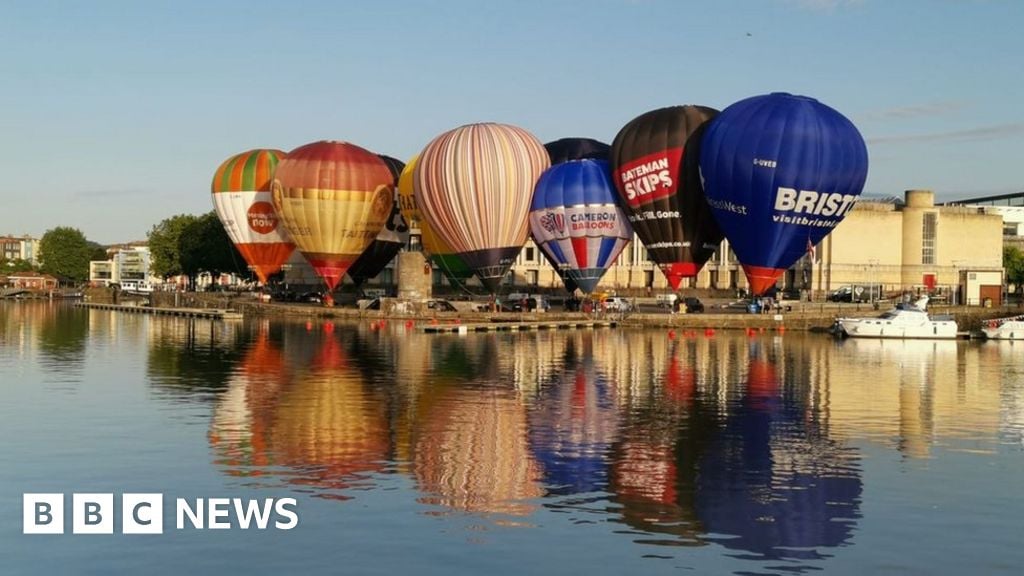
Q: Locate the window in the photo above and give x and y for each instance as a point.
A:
(530, 254)
(928, 226)
(531, 277)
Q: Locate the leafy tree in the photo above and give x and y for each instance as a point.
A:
(14, 265)
(64, 251)
(1013, 262)
(98, 251)
(205, 247)
(164, 245)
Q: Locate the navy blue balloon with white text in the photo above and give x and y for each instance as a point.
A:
(780, 172)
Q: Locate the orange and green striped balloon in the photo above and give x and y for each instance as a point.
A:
(241, 197)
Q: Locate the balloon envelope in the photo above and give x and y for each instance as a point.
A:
(780, 172)
(655, 168)
(334, 198)
(474, 185)
(242, 200)
(442, 255)
(566, 149)
(391, 239)
(576, 220)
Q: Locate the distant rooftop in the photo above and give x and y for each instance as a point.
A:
(1014, 199)
(882, 199)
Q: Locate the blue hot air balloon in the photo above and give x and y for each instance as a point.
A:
(577, 221)
(780, 172)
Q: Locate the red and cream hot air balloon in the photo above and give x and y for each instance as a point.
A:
(241, 197)
(474, 185)
(334, 198)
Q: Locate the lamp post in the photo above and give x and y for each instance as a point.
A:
(956, 282)
(871, 281)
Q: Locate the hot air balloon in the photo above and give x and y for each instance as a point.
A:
(566, 149)
(442, 255)
(334, 198)
(241, 197)
(780, 172)
(391, 239)
(577, 222)
(655, 168)
(473, 185)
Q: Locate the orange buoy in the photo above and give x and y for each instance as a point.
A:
(309, 326)
(671, 334)
(709, 332)
(408, 323)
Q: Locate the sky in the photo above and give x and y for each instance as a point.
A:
(115, 115)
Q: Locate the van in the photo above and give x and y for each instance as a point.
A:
(666, 300)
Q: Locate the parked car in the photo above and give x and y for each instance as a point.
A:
(693, 305)
(439, 305)
(311, 297)
(617, 304)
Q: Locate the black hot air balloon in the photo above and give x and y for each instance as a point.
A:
(655, 166)
(566, 149)
(386, 245)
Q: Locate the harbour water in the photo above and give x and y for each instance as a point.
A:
(574, 452)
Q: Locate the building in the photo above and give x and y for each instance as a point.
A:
(915, 245)
(126, 264)
(20, 248)
(31, 281)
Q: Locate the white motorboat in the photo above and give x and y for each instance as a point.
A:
(903, 321)
(1011, 328)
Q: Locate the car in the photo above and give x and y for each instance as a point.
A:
(440, 306)
(616, 304)
(311, 297)
(693, 305)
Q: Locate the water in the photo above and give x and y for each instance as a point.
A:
(606, 452)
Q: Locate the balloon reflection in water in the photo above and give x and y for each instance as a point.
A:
(472, 453)
(573, 422)
(778, 499)
(322, 425)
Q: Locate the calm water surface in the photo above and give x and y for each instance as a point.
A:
(607, 452)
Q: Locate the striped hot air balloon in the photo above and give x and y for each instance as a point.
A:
(334, 198)
(242, 199)
(442, 255)
(473, 185)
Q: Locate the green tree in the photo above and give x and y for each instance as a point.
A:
(164, 245)
(98, 251)
(64, 251)
(205, 247)
(1013, 263)
(14, 265)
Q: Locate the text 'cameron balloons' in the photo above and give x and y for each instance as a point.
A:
(566, 149)
(576, 220)
(391, 239)
(655, 166)
(242, 199)
(473, 185)
(334, 198)
(439, 253)
(780, 172)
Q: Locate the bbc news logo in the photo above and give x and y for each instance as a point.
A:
(144, 513)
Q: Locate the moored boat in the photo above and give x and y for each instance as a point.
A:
(1011, 328)
(903, 321)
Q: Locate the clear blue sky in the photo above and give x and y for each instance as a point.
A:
(114, 115)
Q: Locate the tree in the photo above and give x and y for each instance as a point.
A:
(14, 265)
(98, 252)
(1013, 263)
(205, 247)
(64, 252)
(164, 245)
